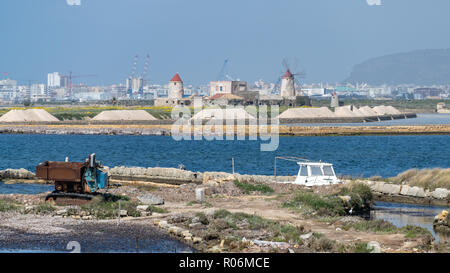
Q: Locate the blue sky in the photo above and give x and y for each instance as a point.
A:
(194, 37)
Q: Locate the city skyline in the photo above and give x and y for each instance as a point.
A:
(102, 37)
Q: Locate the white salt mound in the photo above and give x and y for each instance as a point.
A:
(386, 110)
(29, 115)
(298, 113)
(368, 111)
(358, 112)
(129, 115)
(392, 110)
(344, 111)
(222, 114)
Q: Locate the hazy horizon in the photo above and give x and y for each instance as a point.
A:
(193, 38)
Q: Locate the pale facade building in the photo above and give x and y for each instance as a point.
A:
(227, 87)
(54, 79)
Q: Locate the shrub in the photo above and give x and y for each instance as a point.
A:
(323, 205)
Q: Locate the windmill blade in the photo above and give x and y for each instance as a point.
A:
(301, 74)
(295, 64)
(285, 64)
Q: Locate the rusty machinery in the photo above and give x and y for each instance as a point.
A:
(75, 182)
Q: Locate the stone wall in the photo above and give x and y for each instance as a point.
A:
(178, 176)
(439, 196)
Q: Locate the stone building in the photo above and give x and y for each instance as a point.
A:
(287, 85)
(175, 93)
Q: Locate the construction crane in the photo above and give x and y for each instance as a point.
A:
(222, 75)
(131, 77)
(144, 74)
(70, 77)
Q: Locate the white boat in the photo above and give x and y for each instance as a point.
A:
(316, 174)
(310, 173)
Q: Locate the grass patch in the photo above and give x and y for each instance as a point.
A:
(278, 232)
(376, 226)
(385, 227)
(8, 205)
(247, 188)
(44, 208)
(361, 247)
(156, 209)
(411, 231)
(107, 209)
(330, 206)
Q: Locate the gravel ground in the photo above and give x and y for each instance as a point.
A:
(52, 234)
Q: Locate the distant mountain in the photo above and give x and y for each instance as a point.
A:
(422, 67)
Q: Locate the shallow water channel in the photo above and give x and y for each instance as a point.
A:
(408, 214)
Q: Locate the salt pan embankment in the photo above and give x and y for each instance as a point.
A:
(293, 113)
(342, 114)
(29, 115)
(124, 115)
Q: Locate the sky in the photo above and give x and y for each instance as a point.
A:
(194, 37)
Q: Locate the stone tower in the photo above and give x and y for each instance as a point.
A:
(287, 85)
(334, 100)
(176, 90)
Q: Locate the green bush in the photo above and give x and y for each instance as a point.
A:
(322, 205)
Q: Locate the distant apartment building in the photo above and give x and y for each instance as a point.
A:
(230, 87)
(54, 80)
(379, 91)
(8, 90)
(427, 92)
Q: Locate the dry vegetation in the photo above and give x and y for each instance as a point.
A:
(425, 178)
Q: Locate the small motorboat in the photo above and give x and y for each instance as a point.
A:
(316, 174)
(312, 173)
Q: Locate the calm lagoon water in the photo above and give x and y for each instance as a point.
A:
(351, 155)
(408, 214)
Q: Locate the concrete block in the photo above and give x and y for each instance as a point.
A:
(200, 195)
(390, 189)
(405, 190)
(440, 193)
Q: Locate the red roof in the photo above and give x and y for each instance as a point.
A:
(216, 96)
(288, 74)
(176, 78)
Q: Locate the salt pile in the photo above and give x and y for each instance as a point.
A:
(392, 110)
(30, 115)
(367, 111)
(358, 112)
(129, 115)
(344, 111)
(386, 110)
(295, 113)
(222, 114)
